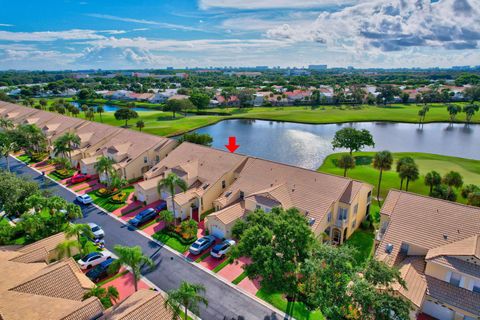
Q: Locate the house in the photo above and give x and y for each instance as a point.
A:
(30, 288)
(436, 245)
(134, 153)
(298, 95)
(143, 304)
(178, 97)
(207, 172)
(232, 101)
(163, 96)
(335, 206)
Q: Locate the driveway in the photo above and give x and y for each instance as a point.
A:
(225, 301)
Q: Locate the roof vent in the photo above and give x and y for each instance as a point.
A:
(228, 194)
(206, 186)
(445, 236)
(311, 221)
(389, 248)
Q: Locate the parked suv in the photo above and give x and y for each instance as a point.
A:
(143, 217)
(201, 244)
(101, 271)
(221, 249)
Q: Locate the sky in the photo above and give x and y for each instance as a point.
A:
(142, 34)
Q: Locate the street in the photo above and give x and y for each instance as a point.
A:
(224, 302)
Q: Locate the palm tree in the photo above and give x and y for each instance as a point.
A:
(167, 217)
(133, 258)
(453, 110)
(7, 147)
(66, 248)
(382, 161)
(470, 110)
(71, 140)
(106, 296)
(77, 230)
(100, 110)
(170, 183)
(401, 162)
(104, 165)
(189, 296)
(84, 108)
(140, 125)
(453, 179)
(410, 172)
(346, 162)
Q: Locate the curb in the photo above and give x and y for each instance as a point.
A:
(208, 271)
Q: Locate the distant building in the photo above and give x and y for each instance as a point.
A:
(317, 67)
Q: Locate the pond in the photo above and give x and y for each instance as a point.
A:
(110, 108)
(307, 145)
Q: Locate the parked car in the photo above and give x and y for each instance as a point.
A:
(143, 217)
(84, 198)
(101, 271)
(221, 249)
(162, 206)
(96, 230)
(201, 244)
(80, 177)
(92, 259)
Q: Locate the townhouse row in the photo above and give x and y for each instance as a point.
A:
(134, 153)
(436, 246)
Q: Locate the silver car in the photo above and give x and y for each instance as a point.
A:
(96, 230)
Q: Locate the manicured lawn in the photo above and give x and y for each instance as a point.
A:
(363, 241)
(105, 202)
(163, 123)
(469, 169)
(239, 279)
(297, 309)
(170, 241)
(25, 158)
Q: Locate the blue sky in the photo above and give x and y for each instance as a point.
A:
(106, 34)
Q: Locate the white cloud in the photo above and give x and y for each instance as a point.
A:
(271, 4)
(147, 22)
(6, 25)
(392, 25)
(46, 36)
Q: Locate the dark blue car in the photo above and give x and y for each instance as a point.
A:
(162, 206)
(100, 271)
(143, 217)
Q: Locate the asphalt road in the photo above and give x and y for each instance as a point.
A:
(225, 302)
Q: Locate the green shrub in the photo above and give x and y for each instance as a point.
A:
(119, 197)
(366, 224)
(175, 235)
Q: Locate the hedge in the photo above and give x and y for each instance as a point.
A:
(178, 237)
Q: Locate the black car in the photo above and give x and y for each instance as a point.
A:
(144, 216)
(100, 271)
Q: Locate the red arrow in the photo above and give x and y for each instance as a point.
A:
(232, 144)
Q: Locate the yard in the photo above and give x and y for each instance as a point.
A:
(171, 241)
(363, 241)
(105, 202)
(296, 309)
(469, 169)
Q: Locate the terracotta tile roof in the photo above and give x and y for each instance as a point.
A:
(36, 255)
(465, 247)
(455, 296)
(458, 264)
(412, 271)
(230, 213)
(49, 243)
(425, 222)
(142, 305)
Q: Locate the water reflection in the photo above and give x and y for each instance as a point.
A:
(306, 145)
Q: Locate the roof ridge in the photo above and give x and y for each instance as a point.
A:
(433, 198)
(142, 303)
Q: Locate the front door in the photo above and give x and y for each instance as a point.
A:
(195, 215)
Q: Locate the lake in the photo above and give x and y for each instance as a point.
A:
(307, 145)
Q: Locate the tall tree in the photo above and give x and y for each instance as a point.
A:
(171, 183)
(432, 179)
(189, 296)
(352, 139)
(346, 162)
(453, 179)
(410, 172)
(200, 100)
(382, 161)
(167, 217)
(100, 110)
(401, 162)
(140, 125)
(67, 248)
(133, 258)
(104, 165)
(125, 114)
(7, 146)
(453, 110)
(470, 110)
(66, 143)
(106, 296)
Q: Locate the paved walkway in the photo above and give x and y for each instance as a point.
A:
(226, 302)
(231, 271)
(125, 286)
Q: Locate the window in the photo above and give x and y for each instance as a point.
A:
(476, 286)
(455, 279)
(242, 195)
(342, 213)
(355, 209)
(145, 159)
(223, 184)
(157, 158)
(329, 216)
(404, 248)
(354, 223)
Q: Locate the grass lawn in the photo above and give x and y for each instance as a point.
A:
(297, 309)
(162, 123)
(223, 264)
(24, 158)
(171, 242)
(105, 202)
(239, 279)
(363, 241)
(203, 257)
(469, 169)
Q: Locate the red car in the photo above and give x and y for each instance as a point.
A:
(79, 178)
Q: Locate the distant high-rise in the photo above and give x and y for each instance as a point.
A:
(317, 67)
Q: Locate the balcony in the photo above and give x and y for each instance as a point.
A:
(341, 223)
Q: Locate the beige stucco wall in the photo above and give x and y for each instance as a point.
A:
(441, 272)
(211, 221)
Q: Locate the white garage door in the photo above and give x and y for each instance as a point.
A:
(437, 311)
(217, 232)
